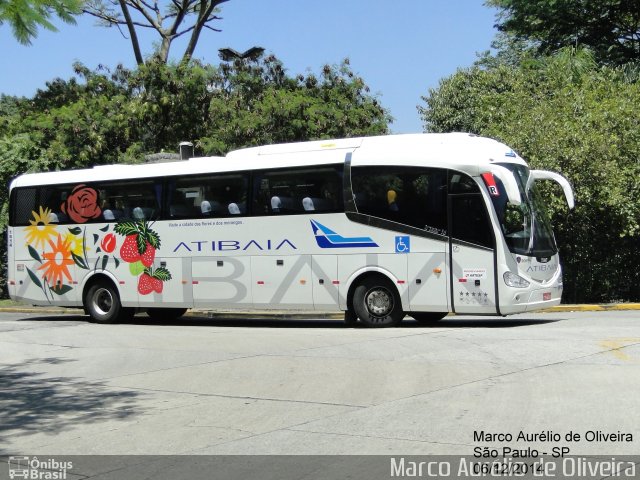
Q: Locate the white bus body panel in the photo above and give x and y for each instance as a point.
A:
(221, 281)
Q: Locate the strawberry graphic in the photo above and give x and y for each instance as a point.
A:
(129, 249)
(151, 280)
(139, 250)
(148, 255)
(146, 284)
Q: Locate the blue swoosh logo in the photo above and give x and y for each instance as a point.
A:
(327, 238)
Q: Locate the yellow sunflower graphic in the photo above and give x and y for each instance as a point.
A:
(57, 262)
(40, 230)
(75, 244)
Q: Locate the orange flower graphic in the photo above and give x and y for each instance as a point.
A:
(57, 262)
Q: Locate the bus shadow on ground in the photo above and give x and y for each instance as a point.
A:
(270, 322)
(235, 321)
(32, 403)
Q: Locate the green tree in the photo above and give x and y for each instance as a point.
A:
(567, 114)
(611, 28)
(257, 103)
(26, 16)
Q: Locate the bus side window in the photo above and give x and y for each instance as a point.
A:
(202, 196)
(411, 196)
(300, 190)
(24, 206)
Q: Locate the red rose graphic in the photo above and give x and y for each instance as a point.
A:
(82, 204)
(108, 243)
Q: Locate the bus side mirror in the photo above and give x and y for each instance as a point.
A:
(556, 177)
(509, 182)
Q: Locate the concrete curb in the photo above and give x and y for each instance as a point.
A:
(281, 314)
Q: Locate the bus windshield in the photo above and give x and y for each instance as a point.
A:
(526, 227)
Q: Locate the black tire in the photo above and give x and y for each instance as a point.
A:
(166, 313)
(428, 318)
(376, 302)
(350, 318)
(102, 303)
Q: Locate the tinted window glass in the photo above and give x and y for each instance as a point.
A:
(84, 203)
(207, 196)
(141, 200)
(280, 192)
(23, 205)
(408, 195)
(470, 221)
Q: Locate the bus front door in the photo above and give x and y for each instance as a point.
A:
(471, 255)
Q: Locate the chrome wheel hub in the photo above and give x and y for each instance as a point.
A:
(103, 301)
(379, 302)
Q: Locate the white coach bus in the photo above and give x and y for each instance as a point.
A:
(378, 227)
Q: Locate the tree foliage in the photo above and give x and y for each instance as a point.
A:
(565, 113)
(104, 117)
(26, 16)
(610, 28)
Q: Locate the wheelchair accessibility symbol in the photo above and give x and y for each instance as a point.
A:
(403, 244)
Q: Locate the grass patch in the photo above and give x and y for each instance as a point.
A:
(11, 303)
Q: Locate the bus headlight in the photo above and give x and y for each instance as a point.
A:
(513, 280)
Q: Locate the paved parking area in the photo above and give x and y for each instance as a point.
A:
(260, 386)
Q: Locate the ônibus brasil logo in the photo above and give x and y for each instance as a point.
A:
(327, 238)
(35, 469)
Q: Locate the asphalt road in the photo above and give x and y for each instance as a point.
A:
(203, 386)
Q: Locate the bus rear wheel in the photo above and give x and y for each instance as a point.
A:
(428, 318)
(102, 303)
(376, 302)
(166, 313)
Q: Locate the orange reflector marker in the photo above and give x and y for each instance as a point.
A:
(437, 270)
(184, 282)
(303, 282)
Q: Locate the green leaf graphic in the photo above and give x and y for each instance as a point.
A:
(117, 262)
(105, 260)
(141, 243)
(162, 274)
(126, 228)
(75, 230)
(153, 238)
(136, 268)
(104, 229)
(34, 254)
(79, 261)
(95, 238)
(61, 289)
(34, 278)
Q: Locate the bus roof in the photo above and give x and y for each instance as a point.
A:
(461, 151)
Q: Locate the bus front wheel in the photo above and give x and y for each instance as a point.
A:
(376, 302)
(102, 303)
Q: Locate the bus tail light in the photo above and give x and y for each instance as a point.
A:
(513, 280)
